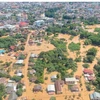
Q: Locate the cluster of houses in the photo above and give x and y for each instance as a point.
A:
(88, 74)
(57, 85)
(11, 88)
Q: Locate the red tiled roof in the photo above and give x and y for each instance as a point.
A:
(88, 71)
(16, 55)
(21, 24)
(12, 47)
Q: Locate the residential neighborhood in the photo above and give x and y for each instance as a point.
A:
(49, 51)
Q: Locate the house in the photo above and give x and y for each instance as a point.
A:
(58, 86)
(9, 90)
(3, 81)
(16, 55)
(33, 79)
(71, 80)
(54, 77)
(91, 78)
(30, 42)
(2, 51)
(37, 88)
(31, 64)
(32, 71)
(18, 73)
(95, 96)
(74, 88)
(34, 55)
(88, 71)
(13, 96)
(39, 23)
(11, 86)
(19, 61)
(12, 48)
(23, 24)
(11, 27)
(51, 89)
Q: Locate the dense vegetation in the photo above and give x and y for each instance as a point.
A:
(31, 18)
(59, 44)
(59, 63)
(74, 46)
(96, 83)
(16, 78)
(7, 42)
(2, 91)
(65, 29)
(4, 74)
(19, 89)
(3, 32)
(91, 53)
(97, 30)
(90, 21)
(51, 12)
(68, 17)
(92, 38)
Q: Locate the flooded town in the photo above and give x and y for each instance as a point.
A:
(49, 51)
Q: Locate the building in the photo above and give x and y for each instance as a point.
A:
(51, 89)
(32, 79)
(37, 88)
(58, 86)
(39, 23)
(74, 88)
(2, 51)
(34, 55)
(18, 73)
(95, 96)
(12, 48)
(54, 77)
(23, 24)
(19, 61)
(32, 71)
(88, 71)
(71, 80)
(13, 96)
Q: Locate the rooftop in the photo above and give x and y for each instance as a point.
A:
(95, 95)
(51, 88)
(19, 61)
(70, 79)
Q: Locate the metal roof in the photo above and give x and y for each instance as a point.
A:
(51, 88)
(70, 79)
(95, 95)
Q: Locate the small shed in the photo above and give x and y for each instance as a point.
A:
(54, 78)
(74, 88)
(33, 79)
(37, 88)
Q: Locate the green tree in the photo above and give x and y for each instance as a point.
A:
(19, 92)
(52, 98)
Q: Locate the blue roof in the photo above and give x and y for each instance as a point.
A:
(2, 51)
(95, 95)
